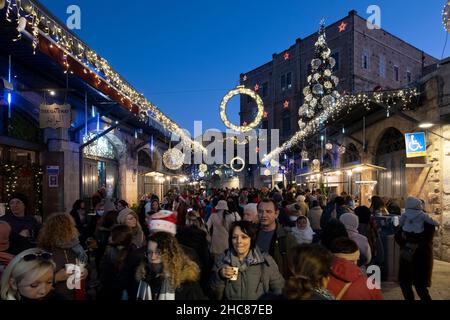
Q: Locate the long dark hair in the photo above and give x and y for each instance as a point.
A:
(247, 227)
(121, 239)
(308, 265)
(376, 204)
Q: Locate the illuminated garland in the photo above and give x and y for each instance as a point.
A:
(12, 172)
(446, 16)
(37, 179)
(71, 45)
(403, 97)
(259, 104)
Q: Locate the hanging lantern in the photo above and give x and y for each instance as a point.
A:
(173, 159)
(317, 89)
(328, 101)
(342, 149)
(304, 155)
(329, 146)
(315, 63)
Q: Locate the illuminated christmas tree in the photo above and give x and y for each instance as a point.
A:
(320, 93)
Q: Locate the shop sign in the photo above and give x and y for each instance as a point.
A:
(54, 116)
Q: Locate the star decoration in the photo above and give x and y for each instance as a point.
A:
(286, 56)
(286, 104)
(256, 87)
(244, 78)
(342, 26)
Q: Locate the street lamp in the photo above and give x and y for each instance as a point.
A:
(426, 125)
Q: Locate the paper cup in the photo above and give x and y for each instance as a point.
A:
(235, 276)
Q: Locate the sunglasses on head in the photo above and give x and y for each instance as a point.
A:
(45, 256)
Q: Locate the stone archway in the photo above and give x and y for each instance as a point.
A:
(390, 153)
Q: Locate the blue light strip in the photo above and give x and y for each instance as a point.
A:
(9, 94)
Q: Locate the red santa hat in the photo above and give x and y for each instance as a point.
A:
(165, 221)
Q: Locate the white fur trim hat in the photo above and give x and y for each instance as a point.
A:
(163, 221)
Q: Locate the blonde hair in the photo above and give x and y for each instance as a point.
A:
(58, 229)
(18, 269)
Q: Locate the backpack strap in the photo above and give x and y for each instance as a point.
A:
(343, 290)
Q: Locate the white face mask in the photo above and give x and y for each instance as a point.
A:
(100, 212)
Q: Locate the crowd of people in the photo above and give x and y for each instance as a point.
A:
(219, 244)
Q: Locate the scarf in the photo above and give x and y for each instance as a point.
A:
(76, 247)
(166, 292)
(253, 257)
(305, 235)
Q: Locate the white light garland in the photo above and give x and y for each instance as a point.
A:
(446, 16)
(45, 26)
(259, 104)
(402, 97)
(203, 168)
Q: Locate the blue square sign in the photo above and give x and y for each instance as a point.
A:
(416, 145)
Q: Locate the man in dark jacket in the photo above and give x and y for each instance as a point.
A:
(272, 237)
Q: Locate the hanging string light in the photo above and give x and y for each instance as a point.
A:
(403, 97)
(71, 46)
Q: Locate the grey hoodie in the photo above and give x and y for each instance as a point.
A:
(414, 218)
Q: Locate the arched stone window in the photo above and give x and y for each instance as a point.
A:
(351, 154)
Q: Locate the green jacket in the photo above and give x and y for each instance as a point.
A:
(280, 248)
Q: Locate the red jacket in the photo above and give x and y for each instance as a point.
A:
(345, 271)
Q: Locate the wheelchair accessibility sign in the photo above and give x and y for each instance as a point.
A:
(416, 145)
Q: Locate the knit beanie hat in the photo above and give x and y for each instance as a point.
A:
(21, 197)
(122, 217)
(165, 221)
(350, 220)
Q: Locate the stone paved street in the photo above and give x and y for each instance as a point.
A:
(440, 289)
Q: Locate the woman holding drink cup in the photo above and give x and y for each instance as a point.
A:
(59, 236)
(243, 272)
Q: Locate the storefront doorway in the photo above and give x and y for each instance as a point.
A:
(391, 154)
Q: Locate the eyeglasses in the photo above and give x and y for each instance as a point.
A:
(156, 253)
(45, 256)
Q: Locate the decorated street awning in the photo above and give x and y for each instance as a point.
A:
(356, 168)
(52, 38)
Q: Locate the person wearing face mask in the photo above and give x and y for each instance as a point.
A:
(167, 273)
(29, 276)
(129, 217)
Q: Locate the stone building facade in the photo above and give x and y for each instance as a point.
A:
(384, 145)
(366, 60)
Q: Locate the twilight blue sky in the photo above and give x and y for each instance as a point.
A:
(184, 55)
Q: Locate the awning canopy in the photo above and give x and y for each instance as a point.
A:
(356, 168)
